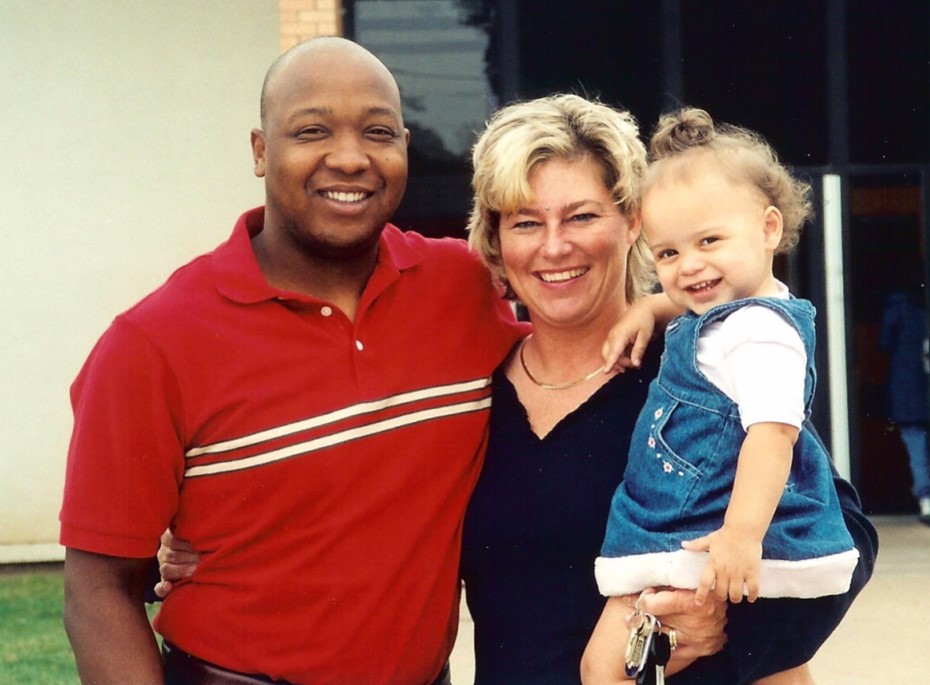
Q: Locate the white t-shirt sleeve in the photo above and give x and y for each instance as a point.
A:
(758, 360)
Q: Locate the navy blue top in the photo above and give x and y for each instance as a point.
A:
(534, 528)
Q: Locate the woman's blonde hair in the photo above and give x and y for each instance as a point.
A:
(523, 135)
(690, 136)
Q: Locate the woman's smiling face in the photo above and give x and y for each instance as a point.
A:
(565, 253)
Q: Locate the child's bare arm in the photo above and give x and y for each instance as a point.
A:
(627, 341)
(736, 548)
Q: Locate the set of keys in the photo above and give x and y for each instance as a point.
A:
(648, 650)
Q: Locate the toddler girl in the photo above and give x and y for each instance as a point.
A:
(727, 489)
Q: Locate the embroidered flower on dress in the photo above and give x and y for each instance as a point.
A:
(652, 442)
(667, 467)
(658, 413)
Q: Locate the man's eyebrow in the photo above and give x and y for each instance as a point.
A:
(388, 111)
(371, 111)
(309, 110)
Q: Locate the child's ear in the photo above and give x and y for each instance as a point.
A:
(773, 226)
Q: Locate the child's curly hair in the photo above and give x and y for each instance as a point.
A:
(742, 155)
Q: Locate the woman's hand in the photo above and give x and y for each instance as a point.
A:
(177, 560)
(699, 629)
(698, 632)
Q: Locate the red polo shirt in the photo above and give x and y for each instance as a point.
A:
(320, 465)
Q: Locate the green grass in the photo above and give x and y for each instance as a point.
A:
(34, 649)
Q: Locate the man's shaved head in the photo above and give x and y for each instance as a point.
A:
(333, 152)
(324, 46)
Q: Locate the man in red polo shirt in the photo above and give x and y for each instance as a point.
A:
(307, 405)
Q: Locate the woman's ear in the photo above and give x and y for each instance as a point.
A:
(634, 226)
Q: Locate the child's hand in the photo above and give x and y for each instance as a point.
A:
(628, 339)
(733, 568)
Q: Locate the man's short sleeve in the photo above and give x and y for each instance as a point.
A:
(125, 461)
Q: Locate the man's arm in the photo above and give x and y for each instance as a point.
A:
(106, 622)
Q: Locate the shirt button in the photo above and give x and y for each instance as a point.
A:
(326, 311)
(359, 346)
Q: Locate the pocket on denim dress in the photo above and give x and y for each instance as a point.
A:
(661, 480)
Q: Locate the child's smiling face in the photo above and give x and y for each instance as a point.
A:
(713, 240)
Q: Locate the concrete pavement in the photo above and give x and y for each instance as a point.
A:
(885, 637)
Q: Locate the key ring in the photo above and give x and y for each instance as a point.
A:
(637, 605)
(643, 627)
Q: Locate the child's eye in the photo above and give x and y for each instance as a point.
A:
(709, 240)
(665, 254)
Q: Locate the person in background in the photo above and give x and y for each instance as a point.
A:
(727, 488)
(904, 339)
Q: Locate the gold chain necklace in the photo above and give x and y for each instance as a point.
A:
(552, 386)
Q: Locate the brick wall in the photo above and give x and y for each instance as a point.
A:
(302, 19)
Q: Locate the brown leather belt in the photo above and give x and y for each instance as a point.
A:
(182, 668)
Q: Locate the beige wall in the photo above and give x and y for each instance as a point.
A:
(125, 153)
(302, 19)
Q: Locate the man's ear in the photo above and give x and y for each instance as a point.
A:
(258, 152)
(773, 226)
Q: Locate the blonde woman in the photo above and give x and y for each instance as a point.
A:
(556, 217)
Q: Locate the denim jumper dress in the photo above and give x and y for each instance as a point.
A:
(680, 474)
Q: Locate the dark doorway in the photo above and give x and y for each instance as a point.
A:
(887, 268)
